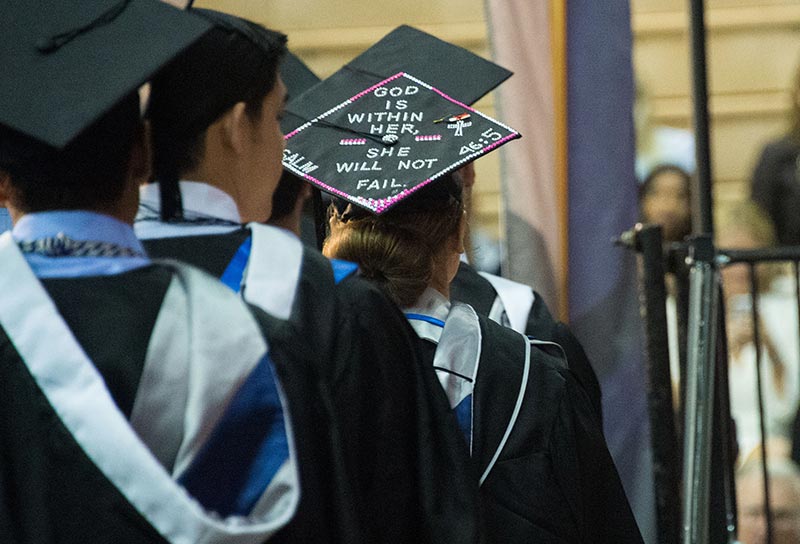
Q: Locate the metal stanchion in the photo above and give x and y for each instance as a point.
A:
(724, 521)
(702, 326)
(754, 315)
(676, 264)
(666, 454)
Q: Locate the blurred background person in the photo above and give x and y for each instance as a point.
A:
(776, 178)
(784, 493)
(664, 200)
(746, 226)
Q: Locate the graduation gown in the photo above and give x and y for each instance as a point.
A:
(82, 459)
(545, 473)
(396, 447)
(530, 316)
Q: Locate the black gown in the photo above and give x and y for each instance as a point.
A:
(50, 489)
(399, 449)
(473, 289)
(554, 480)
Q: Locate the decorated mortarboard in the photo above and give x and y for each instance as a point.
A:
(394, 119)
(65, 64)
(389, 140)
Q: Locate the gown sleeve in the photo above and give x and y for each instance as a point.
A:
(587, 474)
(543, 326)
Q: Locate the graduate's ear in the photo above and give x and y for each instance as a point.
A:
(5, 188)
(6, 196)
(460, 235)
(236, 128)
(140, 164)
(140, 171)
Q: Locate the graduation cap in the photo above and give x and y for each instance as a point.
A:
(65, 64)
(394, 119)
(298, 78)
(388, 141)
(453, 70)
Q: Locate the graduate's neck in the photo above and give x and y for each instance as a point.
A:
(442, 287)
(447, 261)
(217, 170)
(293, 221)
(443, 272)
(224, 168)
(123, 209)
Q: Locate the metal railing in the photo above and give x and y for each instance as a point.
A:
(692, 437)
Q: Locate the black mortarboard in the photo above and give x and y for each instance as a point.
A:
(256, 33)
(335, 150)
(453, 70)
(65, 64)
(387, 141)
(234, 63)
(298, 78)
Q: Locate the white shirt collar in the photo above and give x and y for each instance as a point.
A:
(199, 199)
(80, 225)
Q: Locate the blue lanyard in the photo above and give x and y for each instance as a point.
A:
(426, 318)
(342, 269)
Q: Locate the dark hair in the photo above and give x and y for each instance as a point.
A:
(285, 196)
(647, 185)
(676, 232)
(89, 173)
(236, 61)
(398, 249)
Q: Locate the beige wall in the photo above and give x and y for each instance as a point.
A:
(753, 50)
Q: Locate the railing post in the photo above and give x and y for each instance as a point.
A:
(666, 455)
(702, 327)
